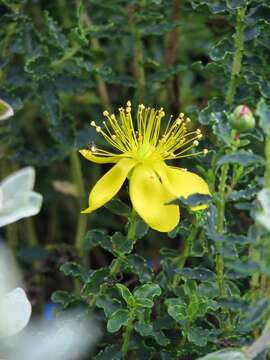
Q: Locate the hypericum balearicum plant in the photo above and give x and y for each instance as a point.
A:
(141, 155)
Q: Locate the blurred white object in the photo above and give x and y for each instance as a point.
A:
(17, 200)
(67, 337)
(15, 312)
(6, 110)
(15, 308)
(264, 216)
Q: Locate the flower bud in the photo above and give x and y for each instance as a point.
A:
(242, 118)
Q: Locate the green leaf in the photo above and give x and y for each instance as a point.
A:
(226, 354)
(95, 280)
(236, 4)
(126, 294)
(263, 112)
(212, 112)
(145, 303)
(147, 291)
(200, 274)
(111, 352)
(74, 270)
(137, 265)
(38, 66)
(141, 229)
(117, 207)
(108, 304)
(148, 330)
(95, 238)
(177, 309)
(118, 319)
(64, 298)
(219, 51)
(254, 314)
(193, 200)
(198, 336)
(120, 244)
(243, 194)
(243, 158)
(50, 103)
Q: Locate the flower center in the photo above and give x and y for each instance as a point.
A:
(143, 141)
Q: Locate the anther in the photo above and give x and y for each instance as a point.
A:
(113, 117)
(105, 113)
(93, 123)
(129, 103)
(173, 155)
(178, 122)
(195, 142)
(113, 137)
(205, 151)
(188, 120)
(128, 109)
(181, 115)
(184, 169)
(98, 129)
(198, 131)
(200, 136)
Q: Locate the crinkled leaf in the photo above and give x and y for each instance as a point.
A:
(147, 291)
(200, 274)
(241, 157)
(95, 280)
(118, 319)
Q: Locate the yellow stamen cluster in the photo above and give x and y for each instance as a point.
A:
(145, 143)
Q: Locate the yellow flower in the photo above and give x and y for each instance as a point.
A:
(141, 155)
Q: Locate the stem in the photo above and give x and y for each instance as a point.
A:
(138, 55)
(172, 46)
(12, 237)
(127, 333)
(82, 219)
(138, 67)
(236, 68)
(188, 244)
(131, 236)
(238, 55)
(220, 229)
(101, 85)
(31, 232)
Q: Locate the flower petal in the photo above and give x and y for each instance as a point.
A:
(6, 110)
(181, 182)
(109, 185)
(149, 197)
(14, 211)
(99, 159)
(15, 311)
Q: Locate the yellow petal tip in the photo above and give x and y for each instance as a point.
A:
(86, 211)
